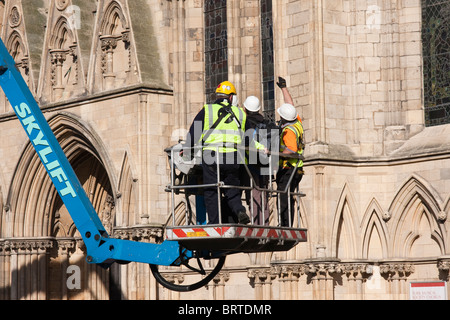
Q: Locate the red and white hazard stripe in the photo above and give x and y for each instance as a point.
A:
(183, 233)
(198, 232)
(273, 233)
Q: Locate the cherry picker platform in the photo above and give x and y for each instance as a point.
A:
(232, 238)
(236, 238)
(192, 239)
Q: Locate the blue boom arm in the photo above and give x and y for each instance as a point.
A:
(100, 248)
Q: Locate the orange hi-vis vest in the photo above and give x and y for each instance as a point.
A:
(292, 140)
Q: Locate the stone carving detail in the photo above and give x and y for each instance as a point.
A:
(24, 64)
(26, 244)
(152, 234)
(174, 278)
(61, 5)
(108, 45)
(107, 214)
(261, 276)
(58, 57)
(15, 17)
(351, 270)
(387, 216)
(396, 270)
(442, 216)
(73, 52)
(443, 266)
(221, 278)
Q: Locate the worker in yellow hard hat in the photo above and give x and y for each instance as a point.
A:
(219, 128)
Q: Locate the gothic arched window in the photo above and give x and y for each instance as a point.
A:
(436, 61)
(216, 46)
(268, 78)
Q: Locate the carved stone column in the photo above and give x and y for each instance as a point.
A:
(357, 274)
(322, 276)
(126, 38)
(288, 277)
(177, 279)
(28, 268)
(219, 285)
(5, 283)
(109, 44)
(129, 273)
(64, 248)
(58, 56)
(262, 277)
(397, 274)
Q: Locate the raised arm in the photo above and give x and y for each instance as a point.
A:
(286, 95)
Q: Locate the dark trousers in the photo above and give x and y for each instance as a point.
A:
(231, 201)
(282, 179)
(260, 213)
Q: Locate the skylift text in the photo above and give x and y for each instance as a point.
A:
(43, 148)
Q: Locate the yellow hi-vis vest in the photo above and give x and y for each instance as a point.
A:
(297, 128)
(228, 134)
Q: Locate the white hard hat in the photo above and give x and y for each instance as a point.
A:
(287, 112)
(252, 104)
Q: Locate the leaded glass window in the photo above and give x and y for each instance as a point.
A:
(268, 78)
(216, 46)
(436, 56)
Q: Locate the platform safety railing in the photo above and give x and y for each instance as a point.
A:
(190, 159)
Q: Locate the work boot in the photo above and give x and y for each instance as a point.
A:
(243, 218)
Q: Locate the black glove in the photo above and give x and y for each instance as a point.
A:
(281, 83)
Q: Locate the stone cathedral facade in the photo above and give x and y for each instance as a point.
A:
(121, 80)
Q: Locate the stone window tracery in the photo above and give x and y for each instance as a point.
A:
(115, 45)
(216, 46)
(436, 61)
(17, 51)
(64, 71)
(267, 55)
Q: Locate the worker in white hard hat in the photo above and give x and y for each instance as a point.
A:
(291, 142)
(255, 121)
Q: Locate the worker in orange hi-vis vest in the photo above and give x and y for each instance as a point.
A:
(291, 142)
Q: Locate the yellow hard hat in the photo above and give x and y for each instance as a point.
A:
(227, 88)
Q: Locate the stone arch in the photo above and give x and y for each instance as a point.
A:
(375, 234)
(114, 21)
(345, 238)
(38, 215)
(32, 196)
(62, 36)
(116, 58)
(415, 218)
(64, 76)
(180, 215)
(18, 51)
(16, 46)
